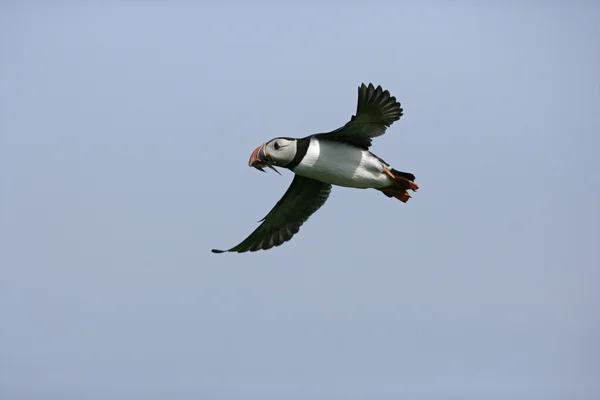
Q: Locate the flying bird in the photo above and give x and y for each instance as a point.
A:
(318, 161)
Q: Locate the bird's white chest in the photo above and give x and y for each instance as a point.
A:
(343, 165)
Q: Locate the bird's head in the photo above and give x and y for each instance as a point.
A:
(278, 151)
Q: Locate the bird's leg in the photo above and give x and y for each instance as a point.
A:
(402, 181)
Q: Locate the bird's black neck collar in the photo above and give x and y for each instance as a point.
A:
(301, 149)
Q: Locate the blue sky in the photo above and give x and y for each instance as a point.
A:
(125, 131)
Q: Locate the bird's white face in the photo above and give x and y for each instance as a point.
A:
(281, 150)
(278, 151)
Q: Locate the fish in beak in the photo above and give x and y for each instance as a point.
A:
(260, 159)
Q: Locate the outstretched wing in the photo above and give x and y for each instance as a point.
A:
(375, 112)
(302, 199)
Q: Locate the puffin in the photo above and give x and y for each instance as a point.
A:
(322, 160)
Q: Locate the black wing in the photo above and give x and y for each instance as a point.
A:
(375, 112)
(302, 199)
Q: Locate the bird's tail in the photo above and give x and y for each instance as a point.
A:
(403, 181)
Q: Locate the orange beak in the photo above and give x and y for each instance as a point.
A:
(260, 159)
(257, 158)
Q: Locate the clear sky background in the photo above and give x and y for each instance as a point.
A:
(125, 134)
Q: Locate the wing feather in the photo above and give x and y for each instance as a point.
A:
(376, 110)
(302, 199)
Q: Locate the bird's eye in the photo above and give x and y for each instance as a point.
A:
(276, 146)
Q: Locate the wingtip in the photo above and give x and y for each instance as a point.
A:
(217, 251)
(369, 86)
